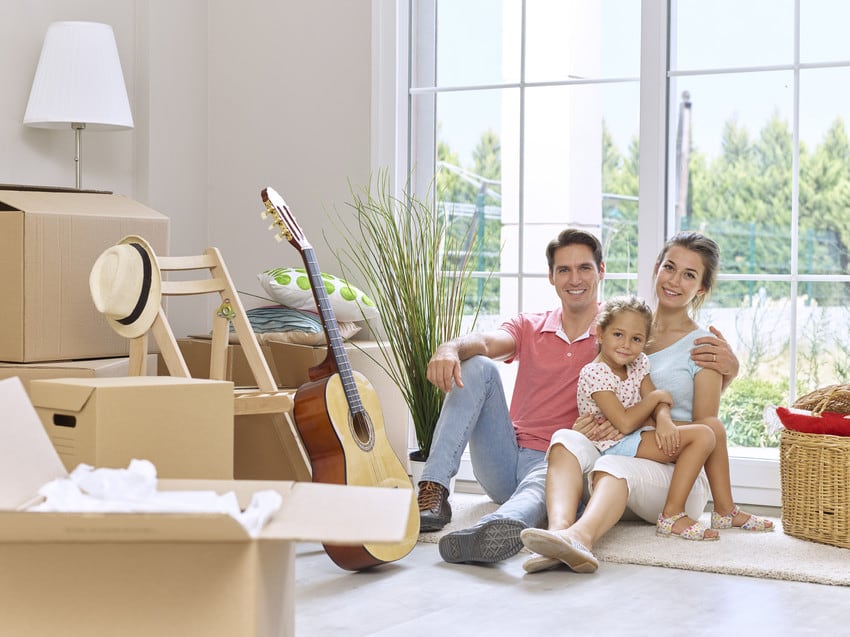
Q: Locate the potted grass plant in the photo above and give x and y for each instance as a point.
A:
(418, 273)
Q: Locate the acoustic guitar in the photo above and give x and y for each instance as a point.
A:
(338, 414)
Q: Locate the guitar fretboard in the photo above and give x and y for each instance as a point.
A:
(335, 342)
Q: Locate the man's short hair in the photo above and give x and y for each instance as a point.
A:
(571, 236)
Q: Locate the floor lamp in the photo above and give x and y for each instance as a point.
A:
(79, 83)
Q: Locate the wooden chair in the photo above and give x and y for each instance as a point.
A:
(266, 398)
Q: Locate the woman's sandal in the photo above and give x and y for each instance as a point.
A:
(696, 531)
(754, 523)
(537, 563)
(554, 545)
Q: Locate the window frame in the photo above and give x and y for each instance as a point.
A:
(755, 479)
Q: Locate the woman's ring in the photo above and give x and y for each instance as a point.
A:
(715, 358)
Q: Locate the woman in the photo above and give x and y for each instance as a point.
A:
(685, 273)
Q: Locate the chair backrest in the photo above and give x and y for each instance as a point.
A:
(212, 278)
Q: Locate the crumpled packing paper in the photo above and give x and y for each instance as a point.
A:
(133, 490)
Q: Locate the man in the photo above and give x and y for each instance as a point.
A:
(508, 447)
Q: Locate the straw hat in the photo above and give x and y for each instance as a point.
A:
(125, 284)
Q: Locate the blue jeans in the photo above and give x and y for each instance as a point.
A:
(477, 413)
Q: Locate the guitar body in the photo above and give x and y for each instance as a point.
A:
(342, 453)
(339, 418)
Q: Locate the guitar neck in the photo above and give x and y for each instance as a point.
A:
(336, 347)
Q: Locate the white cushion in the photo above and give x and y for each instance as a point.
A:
(291, 287)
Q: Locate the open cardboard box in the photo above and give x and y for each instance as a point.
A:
(161, 574)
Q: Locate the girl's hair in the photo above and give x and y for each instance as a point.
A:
(705, 248)
(619, 304)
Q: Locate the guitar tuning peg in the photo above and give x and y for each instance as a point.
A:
(278, 238)
(272, 227)
(264, 214)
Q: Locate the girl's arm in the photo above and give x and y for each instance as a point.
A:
(628, 420)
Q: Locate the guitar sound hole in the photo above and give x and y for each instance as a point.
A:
(361, 427)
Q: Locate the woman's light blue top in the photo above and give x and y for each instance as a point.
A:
(672, 369)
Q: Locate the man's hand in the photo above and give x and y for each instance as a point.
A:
(713, 352)
(588, 426)
(444, 367)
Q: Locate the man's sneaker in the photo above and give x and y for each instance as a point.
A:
(486, 542)
(434, 508)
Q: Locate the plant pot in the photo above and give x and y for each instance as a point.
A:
(417, 465)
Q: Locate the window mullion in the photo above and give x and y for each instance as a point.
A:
(653, 140)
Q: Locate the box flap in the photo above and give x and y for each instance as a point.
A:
(26, 526)
(76, 203)
(27, 457)
(57, 393)
(71, 394)
(315, 512)
(334, 514)
(341, 514)
(101, 365)
(50, 188)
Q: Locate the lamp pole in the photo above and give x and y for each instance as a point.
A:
(78, 149)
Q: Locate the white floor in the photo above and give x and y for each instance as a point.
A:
(422, 595)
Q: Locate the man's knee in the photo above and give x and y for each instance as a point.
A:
(478, 368)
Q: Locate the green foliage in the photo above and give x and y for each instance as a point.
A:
(419, 275)
(750, 183)
(742, 411)
(470, 197)
(619, 212)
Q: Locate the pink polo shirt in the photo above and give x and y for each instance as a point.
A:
(544, 398)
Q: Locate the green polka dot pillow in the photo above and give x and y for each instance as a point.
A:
(291, 287)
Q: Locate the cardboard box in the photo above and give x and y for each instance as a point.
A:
(296, 360)
(183, 425)
(48, 244)
(94, 368)
(258, 452)
(161, 574)
(196, 351)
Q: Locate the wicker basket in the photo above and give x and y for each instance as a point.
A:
(815, 474)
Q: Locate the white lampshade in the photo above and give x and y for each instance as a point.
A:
(79, 80)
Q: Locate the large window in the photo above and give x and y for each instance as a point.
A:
(636, 120)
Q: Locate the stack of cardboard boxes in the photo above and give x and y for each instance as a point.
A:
(73, 364)
(50, 329)
(141, 574)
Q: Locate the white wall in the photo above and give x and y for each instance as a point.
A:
(227, 98)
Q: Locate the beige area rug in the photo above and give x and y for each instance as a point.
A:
(768, 555)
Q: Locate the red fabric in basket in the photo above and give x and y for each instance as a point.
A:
(828, 422)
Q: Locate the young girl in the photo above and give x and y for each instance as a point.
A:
(616, 387)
